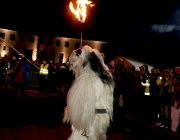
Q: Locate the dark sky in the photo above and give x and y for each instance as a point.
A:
(122, 23)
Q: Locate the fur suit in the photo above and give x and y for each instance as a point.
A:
(90, 99)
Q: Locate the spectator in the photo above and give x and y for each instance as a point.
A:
(145, 81)
(22, 77)
(53, 78)
(6, 66)
(175, 105)
(154, 89)
(43, 77)
(166, 98)
(137, 96)
(13, 63)
(127, 89)
(62, 78)
(1, 72)
(11, 74)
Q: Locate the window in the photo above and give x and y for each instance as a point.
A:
(31, 39)
(52, 57)
(4, 48)
(104, 48)
(2, 35)
(16, 48)
(10, 49)
(58, 43)
(41, 55)
(12, 36)
(49, 41)
(67, 44)
(76, 46)
(22, 38)
(28, 53)
(61, 58)
(40, 40)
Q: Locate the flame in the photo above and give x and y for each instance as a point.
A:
(80, 12)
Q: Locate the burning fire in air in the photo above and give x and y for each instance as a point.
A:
(81, 9)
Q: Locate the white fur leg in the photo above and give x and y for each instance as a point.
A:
(76, 135)
(99, 127)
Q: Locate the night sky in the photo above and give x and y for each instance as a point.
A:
(124, 24)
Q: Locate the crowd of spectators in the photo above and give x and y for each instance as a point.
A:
(153, 96)
(58, 79)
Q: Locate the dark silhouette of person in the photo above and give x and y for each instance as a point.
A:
(22, 77)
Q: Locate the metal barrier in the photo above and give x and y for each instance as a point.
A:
(34, 78)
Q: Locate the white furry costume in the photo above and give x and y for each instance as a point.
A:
(90, 98)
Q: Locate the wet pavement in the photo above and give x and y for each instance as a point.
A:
(39, 117)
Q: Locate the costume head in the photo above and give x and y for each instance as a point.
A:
(86, 59)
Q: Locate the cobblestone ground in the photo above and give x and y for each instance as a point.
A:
(38, 117)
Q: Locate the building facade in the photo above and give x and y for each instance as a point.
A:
(36, 48)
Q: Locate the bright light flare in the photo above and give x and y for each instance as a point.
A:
(80, 11)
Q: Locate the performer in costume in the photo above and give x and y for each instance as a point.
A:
(89, 107)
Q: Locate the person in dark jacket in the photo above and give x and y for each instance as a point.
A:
(154, 89)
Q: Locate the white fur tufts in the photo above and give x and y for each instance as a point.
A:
(87, 93)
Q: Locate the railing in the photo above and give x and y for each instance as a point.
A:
(34, 78)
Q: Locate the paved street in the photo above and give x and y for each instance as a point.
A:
(38, 117)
